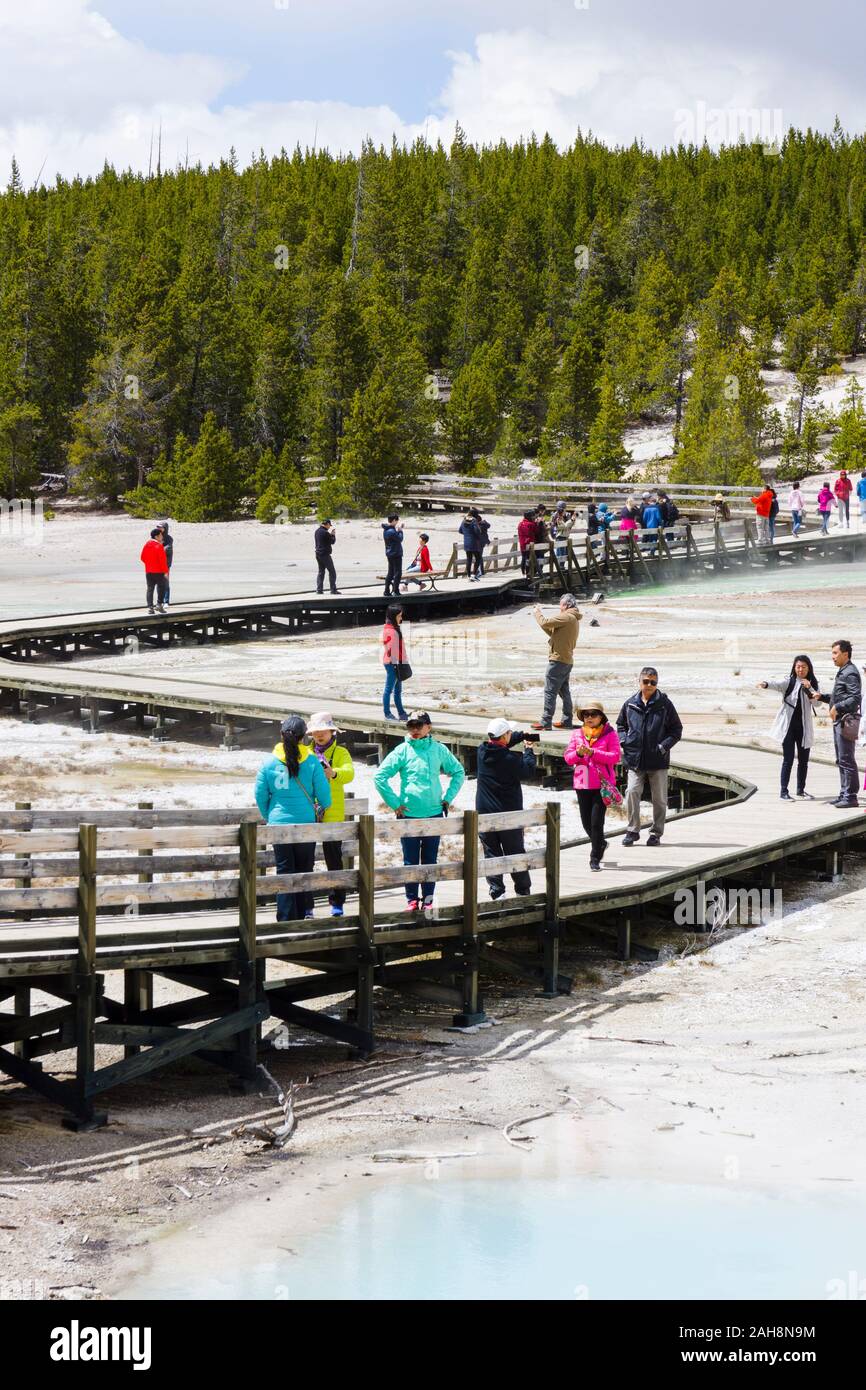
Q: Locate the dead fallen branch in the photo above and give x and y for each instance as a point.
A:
(274, 1137)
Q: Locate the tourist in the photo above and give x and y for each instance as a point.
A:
(394, 661)
(420, 762)
(168, 547)
(155, 562)
(628, 517)
(721, 509)
(471, 533)
(484, 532)
(421, 563)
(337, 765)
(648, 726)
(797, 507)
(605, 518)
(500, 772)
(794, 726)
(562, 630)
(527, 534)
(670, 511)
(292, 789)
(825, 506)
(542, 527)
(324, 541)
(651, 520)
(561, 531)
(843, 489)
(772, 514)
(763, 504)
(844, 705)
(861, 497)
(593, 525)
(594, 752)
(392, 534)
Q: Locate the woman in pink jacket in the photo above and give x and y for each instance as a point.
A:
(825, 506)
(593, 752)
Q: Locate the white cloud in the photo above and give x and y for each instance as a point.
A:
(76, 92)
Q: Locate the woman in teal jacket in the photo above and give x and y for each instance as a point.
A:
(420, 762)
(289, 788)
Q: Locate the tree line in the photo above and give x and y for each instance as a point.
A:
(201, 341)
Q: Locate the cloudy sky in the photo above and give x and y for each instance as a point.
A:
(82, 82)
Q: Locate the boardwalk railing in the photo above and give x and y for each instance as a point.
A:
(121, 897)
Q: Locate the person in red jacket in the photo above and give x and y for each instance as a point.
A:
(155, 562)
(843, 488)
(762, 504)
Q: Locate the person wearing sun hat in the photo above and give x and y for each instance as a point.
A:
(420, 762)
(500, 770)
(337, 765)
(593, 752)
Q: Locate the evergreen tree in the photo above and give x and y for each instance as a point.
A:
(532, 388)
(377, 458)
(573, 397)
(473, 413)
(213, 486)
(606, 454)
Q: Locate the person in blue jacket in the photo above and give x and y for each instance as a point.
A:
(290, 788)
(471, 533)
(861, 496)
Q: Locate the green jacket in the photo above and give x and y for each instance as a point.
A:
(341, 761)
(420, 764)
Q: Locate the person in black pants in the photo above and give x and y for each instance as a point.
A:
(325, 539)
(844, 702)
(593, 751)
(794, 726)
(392, 534)
(500, 771)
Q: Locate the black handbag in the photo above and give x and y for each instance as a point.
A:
(850, 727)
(404, 671)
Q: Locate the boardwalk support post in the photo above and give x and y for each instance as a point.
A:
(85, 985)
(623, 937)
(550, 939)
(138, 984)
(250, 991)
(472, 1011)
(366, 920)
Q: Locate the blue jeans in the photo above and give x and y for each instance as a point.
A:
(825, 523)
(796, 521)
(419, 849)
(395, 688)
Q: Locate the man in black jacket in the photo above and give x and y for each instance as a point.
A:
(325, 540)
(500, 772)
(844, 701)
(648, 727)
(392, 534)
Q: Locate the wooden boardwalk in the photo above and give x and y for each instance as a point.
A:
(217, 933)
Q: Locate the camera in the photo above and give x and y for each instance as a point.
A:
(532, 738)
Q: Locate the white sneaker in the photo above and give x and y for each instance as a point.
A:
(430, 909)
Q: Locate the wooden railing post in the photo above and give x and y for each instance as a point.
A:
(84, 1116)
(246, 1043)
(138, 984)
(472, 1011)
(552, 826)
(366, 926)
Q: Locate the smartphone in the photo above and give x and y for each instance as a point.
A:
(532, 738)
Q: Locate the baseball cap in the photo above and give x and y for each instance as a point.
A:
(418, 716)
(497, 727)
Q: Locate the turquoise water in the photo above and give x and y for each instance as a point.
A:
(799, 578)
(559, 1239)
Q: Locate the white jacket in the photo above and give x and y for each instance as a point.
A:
(795, 500)
(782, 722)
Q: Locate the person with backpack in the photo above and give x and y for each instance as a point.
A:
(292, 789)
(484, 536)
(471, 533)
(420, 763)
(648, 727)
(337, 765)
(392, 534)
(394, 661)
(771, 517)
(594, 751)
(825, 506)
(168, 547)
(324, 541)
(651, 522)
(155, 562)
(500, 771)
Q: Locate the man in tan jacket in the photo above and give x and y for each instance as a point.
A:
(562, 630)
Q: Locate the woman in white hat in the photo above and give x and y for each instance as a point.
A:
(594, 752)
(337, 765)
